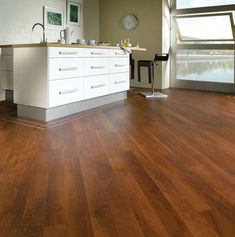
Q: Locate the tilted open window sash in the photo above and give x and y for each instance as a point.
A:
(206, 27)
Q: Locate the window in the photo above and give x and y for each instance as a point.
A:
(205, 27)
(184, 4)
(206, 65)
(204, 40)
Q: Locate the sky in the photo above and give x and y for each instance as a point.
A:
(202, 3)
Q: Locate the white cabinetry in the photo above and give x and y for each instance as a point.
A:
(65, 91)
(119, 82)
(59, 68)
(96, 66)
(48, 77)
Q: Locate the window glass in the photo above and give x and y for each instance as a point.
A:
(205, 28)
(183, 4)
(205, 65)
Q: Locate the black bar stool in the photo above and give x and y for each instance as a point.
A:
(150, 65)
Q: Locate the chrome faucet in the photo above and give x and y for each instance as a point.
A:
(44, 40)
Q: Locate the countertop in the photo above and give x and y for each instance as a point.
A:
(69, 46)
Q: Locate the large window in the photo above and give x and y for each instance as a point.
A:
(204, 40)
(183, 4)
(205, 65)
(207, 27)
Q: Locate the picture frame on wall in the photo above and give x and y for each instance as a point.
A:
(53, 18)
(73, 13)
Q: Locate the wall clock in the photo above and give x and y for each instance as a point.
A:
(130, 22)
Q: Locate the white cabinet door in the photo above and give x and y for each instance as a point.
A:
(119, 82)
(63, 52)
(119, 65)
(97, 53)
(118, 53)
(65, 91)
(96, 86)
(96, 66)
(59, 68)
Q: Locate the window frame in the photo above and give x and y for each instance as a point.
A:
(203, 7)
(229, 14)
(176, 44)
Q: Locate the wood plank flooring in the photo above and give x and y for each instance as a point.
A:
(147, 168)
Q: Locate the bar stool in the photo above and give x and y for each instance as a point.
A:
(150, 65)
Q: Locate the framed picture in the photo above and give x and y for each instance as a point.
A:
(53, 18)
(73, 13)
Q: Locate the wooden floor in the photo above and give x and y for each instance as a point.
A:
(159, 168)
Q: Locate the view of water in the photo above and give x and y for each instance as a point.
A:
(206, 69)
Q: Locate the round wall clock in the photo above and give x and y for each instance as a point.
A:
(130, 22)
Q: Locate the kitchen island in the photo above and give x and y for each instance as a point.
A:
(52, 80)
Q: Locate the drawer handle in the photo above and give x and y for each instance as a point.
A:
(96, 53)
(119, 82)
(68, 69)
(67, 53)
(97, 67)
(119, 53)
(68, 91)
(98, 86)
(120, 65)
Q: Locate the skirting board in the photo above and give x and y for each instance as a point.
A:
(65, 110)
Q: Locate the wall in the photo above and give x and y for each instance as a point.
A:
(166, 42)
(18, 16)
(91, 19)
(148, 33)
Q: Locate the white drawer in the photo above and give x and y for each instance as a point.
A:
(59, 68)
(63, 52)
(65, 91)
(96, 66)
(97, 53)
(96, 86)
(119, 65)
(118, 53)
(119, 82)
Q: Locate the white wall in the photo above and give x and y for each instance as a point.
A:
(18, 16)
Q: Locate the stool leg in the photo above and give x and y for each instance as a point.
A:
(150, 73)
(152, 94)
(152, 76)
(138, 72)
(133, 71)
